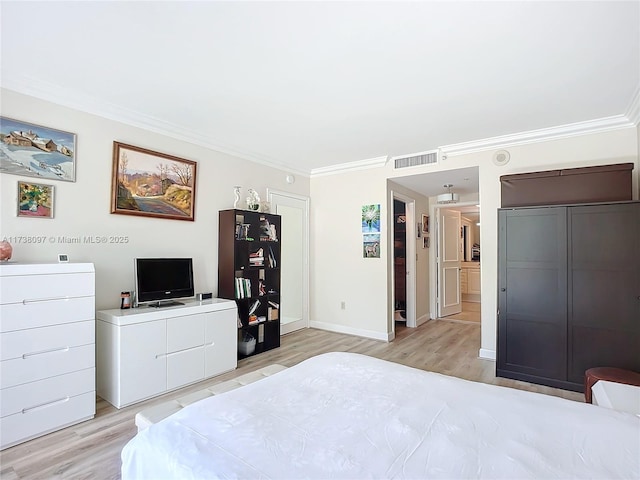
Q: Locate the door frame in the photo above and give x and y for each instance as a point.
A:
(434, 288)
(304, 323)
(410, 288)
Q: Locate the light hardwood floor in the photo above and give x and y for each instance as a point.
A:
(91, 450)
(470, 312)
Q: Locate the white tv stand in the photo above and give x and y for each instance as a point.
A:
(144, 352)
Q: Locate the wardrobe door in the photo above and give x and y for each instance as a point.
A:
(604, 287)
(532, 295)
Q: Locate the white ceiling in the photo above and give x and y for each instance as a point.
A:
(309, 85)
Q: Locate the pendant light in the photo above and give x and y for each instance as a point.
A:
(448, 197)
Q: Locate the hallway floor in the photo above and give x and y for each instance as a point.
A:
(470, 313)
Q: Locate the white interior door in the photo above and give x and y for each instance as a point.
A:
(294, 252)
(449, 263)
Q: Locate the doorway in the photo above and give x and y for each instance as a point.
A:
(294, 275)
(399, 261)
(404, 291)
(459, 295)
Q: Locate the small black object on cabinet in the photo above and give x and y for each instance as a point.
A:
(249, 273)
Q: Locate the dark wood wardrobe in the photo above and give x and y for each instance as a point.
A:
(568, 291)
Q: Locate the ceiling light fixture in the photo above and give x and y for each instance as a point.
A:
(448, 197)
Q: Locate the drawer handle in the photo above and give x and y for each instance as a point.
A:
(42, 352)
(44, 405)
(180, 351)
(39, 300)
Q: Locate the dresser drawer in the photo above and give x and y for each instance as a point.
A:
(36, 341)
(29, 396)
(46, 418)
(19, 316)
(18, 371)
(38, 288)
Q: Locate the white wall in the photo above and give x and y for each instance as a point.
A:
(339, 272)
(82, 207)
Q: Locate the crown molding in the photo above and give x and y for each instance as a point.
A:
(350, 166)
(66, 97)
(72, 99)
(542, 135)
(633, 112)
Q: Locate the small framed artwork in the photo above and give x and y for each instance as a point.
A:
(425, 242)
(35, 151)
(425, 223)
(371, 218)
(371, 245)
(35, 200)
(152, 184)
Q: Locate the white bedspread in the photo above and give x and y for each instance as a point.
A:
(342, 415)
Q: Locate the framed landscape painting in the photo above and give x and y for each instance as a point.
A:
(35, 151)
(152, 184)
(35, 200)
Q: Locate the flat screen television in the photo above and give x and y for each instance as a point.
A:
(159, 281)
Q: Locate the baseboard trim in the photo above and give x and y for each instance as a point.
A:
(332, 327)
(487, 354)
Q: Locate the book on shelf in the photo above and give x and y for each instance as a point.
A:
(242, 231)
(267, 231)
(243, 287)
(254, 307)
(253, 319)
(256, 259)
(272, 259)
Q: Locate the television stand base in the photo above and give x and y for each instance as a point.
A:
(165, 304)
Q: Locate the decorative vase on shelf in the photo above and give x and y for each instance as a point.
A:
(5, 251)
(236, 193)
(253, 200)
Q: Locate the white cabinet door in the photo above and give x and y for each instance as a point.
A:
(185, 350)
(473, 280)
(221, 346)
(143, 361)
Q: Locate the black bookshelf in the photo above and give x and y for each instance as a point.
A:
(249, 273)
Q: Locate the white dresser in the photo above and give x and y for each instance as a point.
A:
(47, 348)
(144, 352)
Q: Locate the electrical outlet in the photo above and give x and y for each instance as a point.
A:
(343, 305)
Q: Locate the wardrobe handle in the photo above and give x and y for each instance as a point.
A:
(503, 289)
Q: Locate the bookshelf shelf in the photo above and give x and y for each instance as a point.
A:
(249, 273)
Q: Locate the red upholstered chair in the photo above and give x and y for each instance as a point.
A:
(609, 374)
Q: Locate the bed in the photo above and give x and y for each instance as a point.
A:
(350, 416)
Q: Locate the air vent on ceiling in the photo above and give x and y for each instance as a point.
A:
(415, 160)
